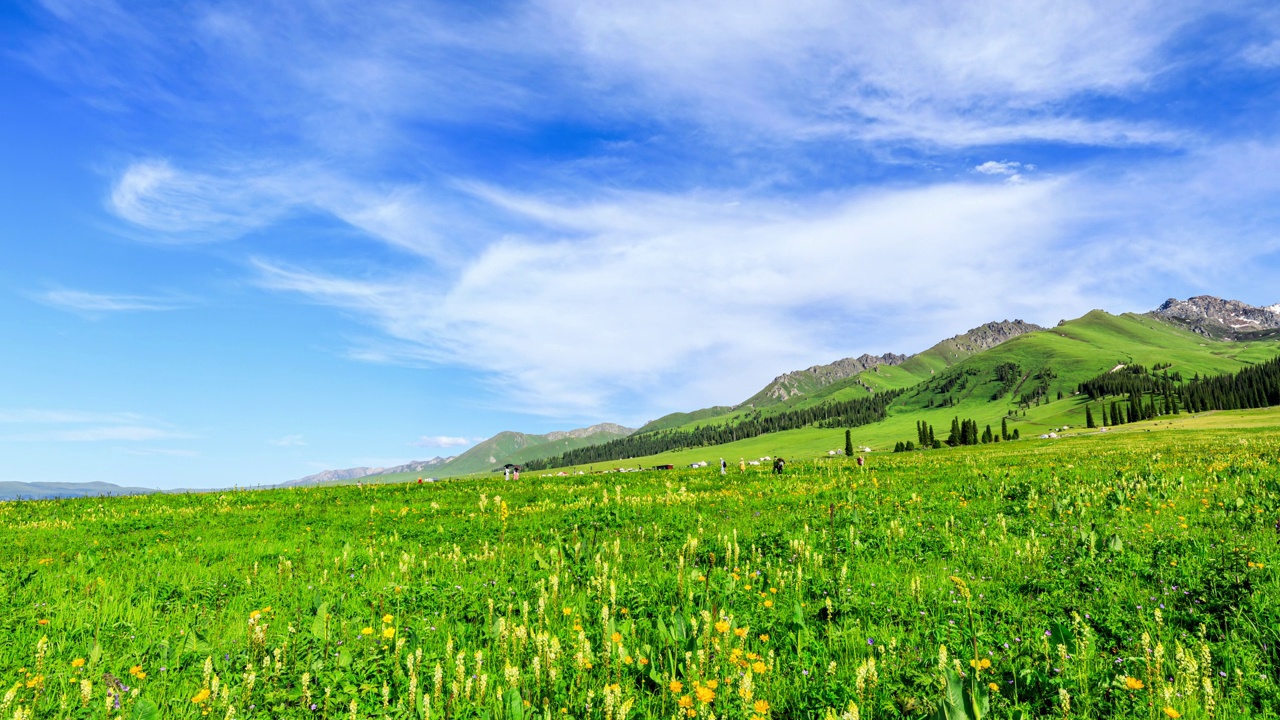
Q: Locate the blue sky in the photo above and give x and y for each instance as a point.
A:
(241, 244)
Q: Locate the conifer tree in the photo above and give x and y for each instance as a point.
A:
(848, 443)
(1088, 417)
(1004, 428)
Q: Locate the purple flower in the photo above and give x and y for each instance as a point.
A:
(870, 641)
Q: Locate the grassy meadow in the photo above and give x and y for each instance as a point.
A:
(1131, 575)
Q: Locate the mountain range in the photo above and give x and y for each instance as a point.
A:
(1203, 335)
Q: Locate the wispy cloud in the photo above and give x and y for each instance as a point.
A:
(88, 302)
(126, 433)
(444, 441)
(163, 452)
(85, 426)
(288, 441)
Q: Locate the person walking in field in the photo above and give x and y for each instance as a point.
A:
(742, 465)
(723, 467)
(778, 465)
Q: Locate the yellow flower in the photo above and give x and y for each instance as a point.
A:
(137, 672)
(201, 696)
(764, 637)
(1172, 713)
(758, 667)
(676, 686)
(740, 632)
(761, 706)
(706, 695)
(616, 637)
(386, 619)
(713, 684)
(722, 627)
(367, 631)
(568, 611)
(36, 681)
(255, 614)
(42, 621)
(1133, 683)
(78, 662)
(768, 603)
(644, 661)
(388, 633)
(980, 664)
(994, 687)
(685, 702)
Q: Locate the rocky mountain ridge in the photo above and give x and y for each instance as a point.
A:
(1220, 319)
(360, 472)
(606, 427)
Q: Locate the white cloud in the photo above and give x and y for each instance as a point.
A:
(1264, 54)
(128, 433)
(444, 441)
(87, 302)
(288, 441)
(84, 426)
(162, 452)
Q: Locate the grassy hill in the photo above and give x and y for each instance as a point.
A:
(945, 382)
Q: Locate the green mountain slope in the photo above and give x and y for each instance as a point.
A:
(518, 448)
(1019, 380)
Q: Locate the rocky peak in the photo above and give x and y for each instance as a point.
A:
(1214, 317)
(611, 428)
(985, 337)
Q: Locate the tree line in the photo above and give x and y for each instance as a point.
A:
(843, 413)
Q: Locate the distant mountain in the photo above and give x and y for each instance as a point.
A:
(48, 490)
(1221, 319)
(329, 476)
(506, 447)
(518, 448)
(801, 382)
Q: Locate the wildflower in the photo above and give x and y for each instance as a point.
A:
(764, 637)
(994, 687)
(386, 619)
(1133, 683)
(758, 667)
(201, 696)
(367, 631)
(616, 637)
(676, 686)
(42, 621)
(982, 664)
(644, 661)
(78, 662)
(740, 632)
(706, 695)
(761, 707)
(1172, 713)
(568, 612)
(36, 681)
(722, 627)
(685, 701)
(137, 672)
(768, 603)
(388, 633)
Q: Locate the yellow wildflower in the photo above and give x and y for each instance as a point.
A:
(616, 637)
(994, 687)
(78, 662)
(367, 631)
(722, 627)
(568, 611)
(676, 686)
(137, 672)
(740, 632)
(768, 603)
(1133, 683)
(758, 667)
(1172, 713)
(761, 706)
(764, 637)
(201, 696)
(386, 619)
(706, 695)
(388, 633)
(685, 701)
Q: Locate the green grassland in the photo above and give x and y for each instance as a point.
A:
(1122, 575)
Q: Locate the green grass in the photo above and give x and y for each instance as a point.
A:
(580, 596)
